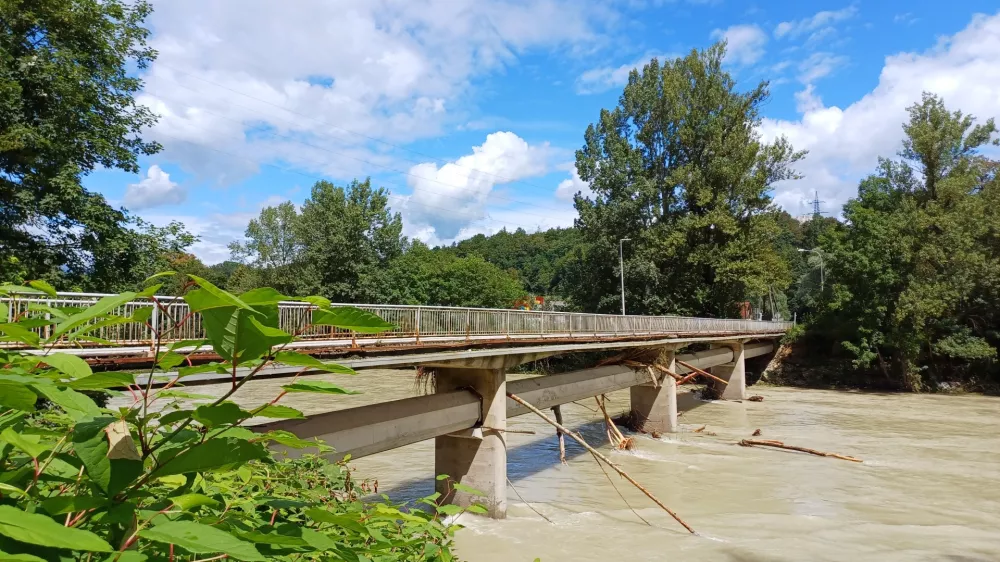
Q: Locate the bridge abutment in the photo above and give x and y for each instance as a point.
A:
(734, 373)
(476, 457)
(654, 406)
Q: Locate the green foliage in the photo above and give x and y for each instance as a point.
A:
(137, 483)
(67, 86)
(435, 277)
(679, 168)
(348, 238)
(912, 284)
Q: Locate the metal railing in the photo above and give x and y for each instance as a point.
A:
(414, 322)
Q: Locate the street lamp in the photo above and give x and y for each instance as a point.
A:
(621, 267)
(821, 274)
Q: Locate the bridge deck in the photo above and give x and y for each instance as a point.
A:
(423, 328)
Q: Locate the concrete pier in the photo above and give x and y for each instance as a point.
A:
(475, 457)
(655, 405)
(734, 373)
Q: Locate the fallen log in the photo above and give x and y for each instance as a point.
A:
(668, 371)
(780, 445)
(700, 372)
(603, 458)
(562, 439)
(615, 436)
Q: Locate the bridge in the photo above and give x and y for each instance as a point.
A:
(469, 351)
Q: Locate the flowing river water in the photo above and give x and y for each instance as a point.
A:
(928, 489)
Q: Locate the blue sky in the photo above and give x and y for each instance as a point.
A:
(469, 111)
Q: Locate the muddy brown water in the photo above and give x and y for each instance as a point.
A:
(929, 487)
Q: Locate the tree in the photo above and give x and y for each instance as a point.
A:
(348, 238)
(271, 247)
(915, 270)
(124, 260)
(679, 168)
(67, 86)
(435, 277)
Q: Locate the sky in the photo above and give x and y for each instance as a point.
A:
(469, 111)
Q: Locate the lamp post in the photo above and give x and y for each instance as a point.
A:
(621, 267)
(821, 274)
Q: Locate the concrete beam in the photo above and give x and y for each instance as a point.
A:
(451, 358)
(380, 427)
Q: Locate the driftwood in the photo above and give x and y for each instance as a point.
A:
(601, 457)
(780, 445)
(562, 439)
(615, 436)
(698, 371)
(663, 369)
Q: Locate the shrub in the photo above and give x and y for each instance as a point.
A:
(83, 482)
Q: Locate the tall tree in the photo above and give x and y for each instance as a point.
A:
(67, 86)
(915, 271)
(679, 168)
(271, 247)
(348, 237)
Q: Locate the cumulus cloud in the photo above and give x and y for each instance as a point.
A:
(452, 196)
(845, 143)
(313, 84)
(570, 187)
(155, 190)
(604, 78)
(745, 42)
(818, 22)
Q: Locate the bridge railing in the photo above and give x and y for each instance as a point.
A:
(415, 322)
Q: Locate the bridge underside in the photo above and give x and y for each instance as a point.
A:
(468, 412)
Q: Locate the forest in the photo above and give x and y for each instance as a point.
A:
(901, 290)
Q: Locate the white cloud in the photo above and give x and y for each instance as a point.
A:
(819, 65)
(310, 84)
(818, 21)
(745, 42)
(449, 198)
(154, 190)
(604, 78)
(845, 143)
(570, 187)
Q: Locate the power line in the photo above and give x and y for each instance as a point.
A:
(362, 135)
(816, 203)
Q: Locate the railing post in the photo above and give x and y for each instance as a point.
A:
(506, 328)
(417, 321)
(468, 323)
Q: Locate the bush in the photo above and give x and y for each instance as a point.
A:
(133, 484)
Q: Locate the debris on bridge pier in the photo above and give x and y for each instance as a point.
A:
(615, 436)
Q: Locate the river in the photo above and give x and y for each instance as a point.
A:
(928, 489)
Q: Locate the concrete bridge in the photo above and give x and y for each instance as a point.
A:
(470, 351)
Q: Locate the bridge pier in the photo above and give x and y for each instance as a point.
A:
(655, 406)
(476, 457)
(734, 373)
